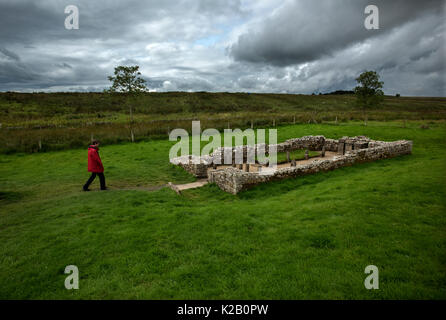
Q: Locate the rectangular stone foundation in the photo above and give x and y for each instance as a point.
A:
(361, 149)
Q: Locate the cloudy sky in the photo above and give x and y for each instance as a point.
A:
(291, 46)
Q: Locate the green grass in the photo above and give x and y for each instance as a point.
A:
(295, 154)
(304, 238)
(66, 120)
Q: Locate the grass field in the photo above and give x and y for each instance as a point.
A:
(32, 122)
(305, 238)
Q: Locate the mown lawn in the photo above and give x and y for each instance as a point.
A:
(305, 238)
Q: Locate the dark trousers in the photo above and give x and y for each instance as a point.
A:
(101, 180)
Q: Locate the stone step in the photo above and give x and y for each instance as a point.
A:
(180, 187)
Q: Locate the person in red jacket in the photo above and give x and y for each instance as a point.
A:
(95, 166)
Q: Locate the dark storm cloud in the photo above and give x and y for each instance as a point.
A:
(24, 21)
(303, 31)
(223, 45)
(9, 55)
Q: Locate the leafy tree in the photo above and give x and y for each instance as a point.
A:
(128, 80)
(368, 92)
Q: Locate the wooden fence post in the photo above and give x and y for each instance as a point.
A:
(40, 138)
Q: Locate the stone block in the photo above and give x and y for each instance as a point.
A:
(341, 147)
(348, 146)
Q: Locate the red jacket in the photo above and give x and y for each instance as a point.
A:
(94, 161)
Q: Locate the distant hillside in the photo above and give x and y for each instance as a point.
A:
(31, 122)
(51, 104)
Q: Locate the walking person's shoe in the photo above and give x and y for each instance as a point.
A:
(105, 188)
(85, 189)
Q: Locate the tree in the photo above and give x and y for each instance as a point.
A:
(369, 92)
(128, 80)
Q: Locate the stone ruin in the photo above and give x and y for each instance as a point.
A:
(332, 154)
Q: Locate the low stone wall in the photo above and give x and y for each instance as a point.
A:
(346, 144)
(228, 179)
(314, 143)
(233, 180)
(351, 150)
(198, 165)
(331, 145)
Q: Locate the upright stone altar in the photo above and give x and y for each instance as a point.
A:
(341, 146)
(348, 146)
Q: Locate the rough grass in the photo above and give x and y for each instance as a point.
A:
(309, 237)
(38, 122)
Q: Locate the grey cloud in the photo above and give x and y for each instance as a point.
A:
(9, 55)
(110, 33)
(27, 21)
(293, 48)
(64, 65)
(409, 57)
(303, 31)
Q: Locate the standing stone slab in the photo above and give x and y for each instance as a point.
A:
(348, 147)
(341, 146)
